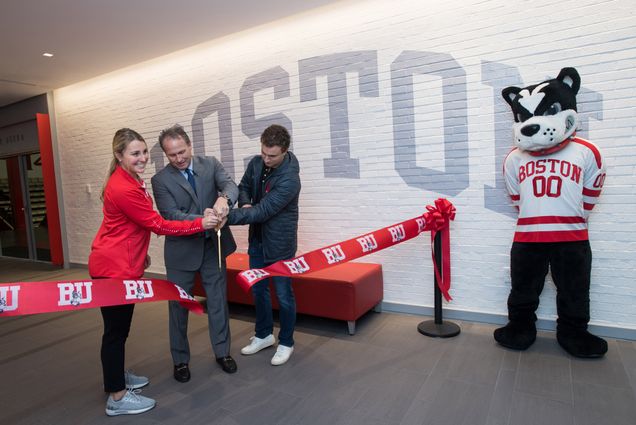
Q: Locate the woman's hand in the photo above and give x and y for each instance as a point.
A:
(210, 220)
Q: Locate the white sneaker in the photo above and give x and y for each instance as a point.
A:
(258, 344)
(282, 355)
(130, 404)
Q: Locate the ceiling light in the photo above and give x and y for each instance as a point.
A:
(48, 55)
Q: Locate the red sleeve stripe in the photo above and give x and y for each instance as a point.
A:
(592, 193)
(590, 146)
(588, 207)
(550, 219)
(515, 197)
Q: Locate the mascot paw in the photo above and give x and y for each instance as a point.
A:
(581, 343)
(518, 336)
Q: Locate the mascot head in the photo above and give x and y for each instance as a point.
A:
(545, 113)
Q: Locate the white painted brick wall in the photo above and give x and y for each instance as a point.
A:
(531, 39)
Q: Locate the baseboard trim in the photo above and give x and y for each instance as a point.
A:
(500, 319)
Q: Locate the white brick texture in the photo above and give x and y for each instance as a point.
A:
(392, 104)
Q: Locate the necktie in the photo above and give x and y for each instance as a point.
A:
(191, 180)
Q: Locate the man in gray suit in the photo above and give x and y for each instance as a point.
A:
(187, 188)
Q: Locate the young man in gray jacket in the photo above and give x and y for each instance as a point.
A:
(268, 201)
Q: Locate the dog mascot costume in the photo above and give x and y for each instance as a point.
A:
(554, 178)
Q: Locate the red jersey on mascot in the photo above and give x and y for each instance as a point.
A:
(554, 178)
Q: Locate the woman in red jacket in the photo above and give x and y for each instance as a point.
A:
(120, 251)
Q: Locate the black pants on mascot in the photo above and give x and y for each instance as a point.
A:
(570, 264)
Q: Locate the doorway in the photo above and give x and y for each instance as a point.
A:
(23, 213)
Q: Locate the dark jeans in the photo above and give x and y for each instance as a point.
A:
(117, 320)
(263, 302)
(570, 264)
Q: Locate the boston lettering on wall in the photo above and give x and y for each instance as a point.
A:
(364, 64)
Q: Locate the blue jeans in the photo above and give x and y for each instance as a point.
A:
(263, 302)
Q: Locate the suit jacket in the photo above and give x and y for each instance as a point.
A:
(176, 200)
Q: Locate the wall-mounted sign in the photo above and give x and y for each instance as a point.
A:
(19, 138)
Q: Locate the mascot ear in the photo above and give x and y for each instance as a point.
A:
(509, 94)
(571, 78)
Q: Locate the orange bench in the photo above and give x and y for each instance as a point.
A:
(343, 292)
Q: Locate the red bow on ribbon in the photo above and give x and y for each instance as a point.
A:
(437, 220)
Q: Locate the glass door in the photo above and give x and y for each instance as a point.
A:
(23, 220)
(37, 206)
(14, 241)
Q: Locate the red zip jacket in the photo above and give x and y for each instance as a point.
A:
(120, 247)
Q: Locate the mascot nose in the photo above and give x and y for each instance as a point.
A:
(530, 130)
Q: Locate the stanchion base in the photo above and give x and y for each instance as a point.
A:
(438, 330)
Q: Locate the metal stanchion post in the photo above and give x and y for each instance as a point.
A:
(438, 328)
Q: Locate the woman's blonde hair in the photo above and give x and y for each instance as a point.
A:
(121, 140)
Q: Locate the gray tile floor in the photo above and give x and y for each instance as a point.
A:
(386, 374)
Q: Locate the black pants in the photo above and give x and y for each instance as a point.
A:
(117, 320)
(570, 264)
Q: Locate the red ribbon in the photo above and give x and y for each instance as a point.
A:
(436, 219)
(21, 298)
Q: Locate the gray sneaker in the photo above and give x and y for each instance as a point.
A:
(134, 382)
(130, 404)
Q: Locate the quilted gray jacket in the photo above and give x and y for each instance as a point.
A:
(274, 213)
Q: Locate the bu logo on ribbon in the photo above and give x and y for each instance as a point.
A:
(254, 274)
(138, 289)
(297, 265)
(367, 242)
(334, 254)
(397, 233)
(183, 294)
(75, 293)
(421, 224)
(5, 303)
